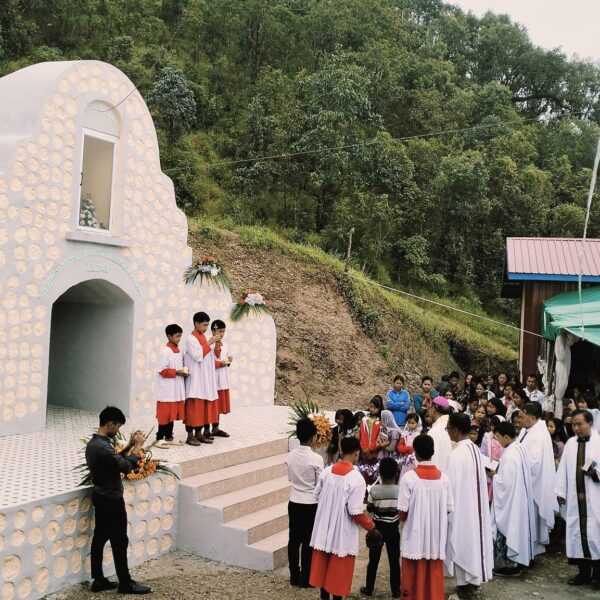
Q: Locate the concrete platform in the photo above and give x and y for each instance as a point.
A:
(46, 520)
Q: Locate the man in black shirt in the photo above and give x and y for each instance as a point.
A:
(106, 467)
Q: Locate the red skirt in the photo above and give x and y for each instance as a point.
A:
(167, 412)
(194, 412)
(332, 573)
(224, 404)
(210, 412)
(422, 579)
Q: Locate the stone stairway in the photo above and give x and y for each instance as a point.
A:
(233, 506)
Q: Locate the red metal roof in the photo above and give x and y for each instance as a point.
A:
(551, 257)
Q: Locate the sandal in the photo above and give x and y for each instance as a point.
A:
(220, 433)
(162, 444)
(201, 439)
(173, 442)
(192, 441)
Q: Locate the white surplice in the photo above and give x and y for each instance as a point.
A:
(169, 389)
(442, 445)
(339, 497)
(427, 502)
(513, 512)
(537, 443)
(566, 488)
(202, 380)
(470, 546)
(223, 372)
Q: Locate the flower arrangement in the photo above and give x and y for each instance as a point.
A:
(250, 302)
(146, 465)
(310, 410)
(207, 268)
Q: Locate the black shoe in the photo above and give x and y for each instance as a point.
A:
(306, 585)
(579, 580)
(365, 591)
(464, 592)
(507, 572)
(295, 581)
(102, 585)
(596, 584)
(325, 594)
(134, 588)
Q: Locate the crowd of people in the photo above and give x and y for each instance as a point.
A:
(480, 474)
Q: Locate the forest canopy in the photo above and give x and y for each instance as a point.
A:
(350, 97)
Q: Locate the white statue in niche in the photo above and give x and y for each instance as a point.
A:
(87, 214)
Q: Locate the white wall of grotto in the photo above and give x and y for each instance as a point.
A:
(44, 252)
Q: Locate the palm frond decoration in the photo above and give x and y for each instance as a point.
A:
(207, 268)
(251, 302)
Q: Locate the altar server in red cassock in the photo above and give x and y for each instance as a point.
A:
(223, 360)
(170, 387)
(340, 492)
(469, 550)
(424, 501)
(201, 407)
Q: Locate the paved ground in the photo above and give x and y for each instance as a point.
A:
(178, 576)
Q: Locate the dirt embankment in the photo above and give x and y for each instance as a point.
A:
(322, 352)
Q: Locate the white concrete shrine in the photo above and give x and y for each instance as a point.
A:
(92, 253)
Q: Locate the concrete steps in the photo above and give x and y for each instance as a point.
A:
(233, 506)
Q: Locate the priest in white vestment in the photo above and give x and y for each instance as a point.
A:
(438, 414)
(424, 501)
(578, 487)
(513, 513)
(537, 443)
(469, 552)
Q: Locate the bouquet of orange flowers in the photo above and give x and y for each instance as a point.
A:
(310, 410)
(207, 268)
(250, 301)
(146, 465)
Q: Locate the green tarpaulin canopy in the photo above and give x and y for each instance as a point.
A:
(564, 313)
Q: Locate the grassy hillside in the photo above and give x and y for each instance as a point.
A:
(341, 338)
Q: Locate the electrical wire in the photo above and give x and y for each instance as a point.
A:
(370, 143)
(441, 304)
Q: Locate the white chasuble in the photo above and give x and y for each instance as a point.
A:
(200, 360)
(470, 544)
(513, 512)
(583, 530)
(537, 444)
(442, 445)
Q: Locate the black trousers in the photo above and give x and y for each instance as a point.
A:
(391, 539)
(165, 431)
(111, 525)
(301, 521)
(590, 569)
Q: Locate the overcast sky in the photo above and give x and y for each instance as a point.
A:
(574, 25)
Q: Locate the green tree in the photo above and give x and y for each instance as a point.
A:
(173, 102)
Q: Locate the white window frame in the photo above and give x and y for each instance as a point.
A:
(114, 141)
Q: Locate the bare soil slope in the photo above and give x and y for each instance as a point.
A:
(322, 352)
